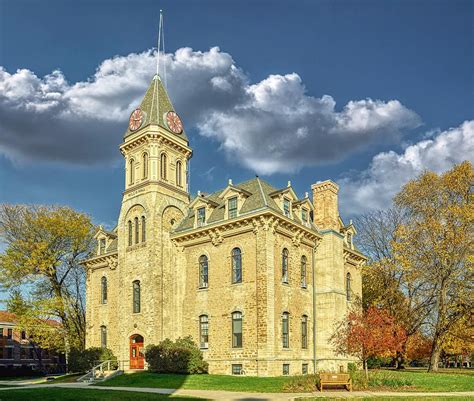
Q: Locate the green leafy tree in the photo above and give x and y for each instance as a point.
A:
(41, 267)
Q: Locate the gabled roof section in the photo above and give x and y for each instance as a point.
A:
(288, 190)
(233, 188)
(155, 104)
(258, 198)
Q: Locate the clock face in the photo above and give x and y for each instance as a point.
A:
(136, 119)
(174, 122)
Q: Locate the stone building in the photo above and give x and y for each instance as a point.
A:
(257, 276)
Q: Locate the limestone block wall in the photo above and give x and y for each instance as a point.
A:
(220, 299)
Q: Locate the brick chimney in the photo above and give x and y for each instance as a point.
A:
(326, 211)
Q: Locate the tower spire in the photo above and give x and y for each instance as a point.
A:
(160, 28)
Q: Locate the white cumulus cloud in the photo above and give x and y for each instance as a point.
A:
(375, 187)
(269, 126)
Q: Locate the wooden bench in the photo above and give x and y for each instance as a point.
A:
(340, 379)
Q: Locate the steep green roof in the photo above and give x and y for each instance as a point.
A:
(155, 104)
(259, 198)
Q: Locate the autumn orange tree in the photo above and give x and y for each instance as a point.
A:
(434, 246)
(368, 333)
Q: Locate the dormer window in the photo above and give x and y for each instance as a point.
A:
(349, 240)
(304, 215)
(101, 246)
(201, 216)
(286, 207)
(232, 205)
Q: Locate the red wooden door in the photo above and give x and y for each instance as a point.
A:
(137, 359)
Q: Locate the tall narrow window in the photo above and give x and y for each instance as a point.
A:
(101, 246)
(104, 289)
(143, 229)
(103, 336)
(286, 207)
(136, 296)
(303, 271)
(145, 165)
(203, 331)
(348, 286)
(179, 174)
(130, 233)
(203, 272)
(237, 330)
(233, 207)
(285, 330)
(137, 230)
(349, 240)
(163, 166)
(131, 166)
(236, 266)
(304, 215)
(201, 216)
(304, 332)
(284, 265)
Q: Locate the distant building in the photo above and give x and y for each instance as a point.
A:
(257, 276)
(17, 351)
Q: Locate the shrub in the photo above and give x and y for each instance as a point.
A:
(379, 379)
(182, 356)
(83, 360)
(302, 384)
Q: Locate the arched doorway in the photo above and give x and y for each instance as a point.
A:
(137, 357)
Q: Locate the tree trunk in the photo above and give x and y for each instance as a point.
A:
(366, 369)
(434, 359)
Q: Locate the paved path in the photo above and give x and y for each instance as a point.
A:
(245, 396)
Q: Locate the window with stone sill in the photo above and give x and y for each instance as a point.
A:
(304, 332)
(237, 326)
(237, 369)
(285, 330)
(103, 336)
(304, 215)
(236, 266)
(101, 246)
(303, 271)
(348, 286)
(284, 266)
(201, 216)
(103, 282)
(203, 331)
(286, 369)
(232, 207)
(286, 207)
(203, 272)
(136, 296)
(130, 233)
(304, 369)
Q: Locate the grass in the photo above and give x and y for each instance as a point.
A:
(68, 378)
(379, 380)
(71, 394)
(413, 398)
(200, 382)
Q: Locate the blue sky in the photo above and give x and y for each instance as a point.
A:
(367, 93)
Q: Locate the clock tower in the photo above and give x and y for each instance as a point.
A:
(155, 199)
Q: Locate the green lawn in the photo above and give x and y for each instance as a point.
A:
(200, 382)
(383, 379)
(71, 394)
(414, 398)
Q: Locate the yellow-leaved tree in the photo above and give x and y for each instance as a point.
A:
(434, 246)
(41, 267)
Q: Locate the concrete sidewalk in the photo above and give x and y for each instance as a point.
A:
(245, 396)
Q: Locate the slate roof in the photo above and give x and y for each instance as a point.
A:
(259, 199)
(154, 105)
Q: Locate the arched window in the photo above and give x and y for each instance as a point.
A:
(284, 265)
(136, 230)
(130, 233)
(143, 229)
(145, 165)
(348, 286)
(131, 165)
(136, 296)
(203, 272)
(104, 289)
(304, 332)
(103, 336)
(285, 330)
(179, 174)
(203, 331)
(163, 166)
(303, 271)
(237, 330)
(236, 266)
